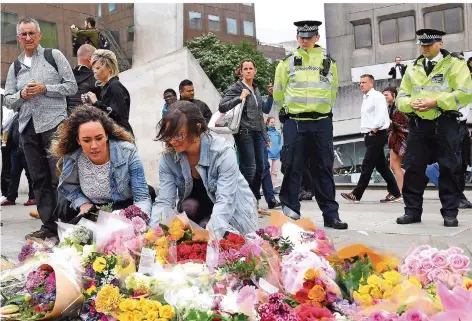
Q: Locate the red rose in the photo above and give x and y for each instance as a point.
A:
(308, 312)
(302, 295)
(235, 238)
(309, 284)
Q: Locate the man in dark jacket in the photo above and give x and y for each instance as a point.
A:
(84, 76)
(18, 163)
(187, 92)
(398, 70)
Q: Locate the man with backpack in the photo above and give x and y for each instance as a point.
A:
(37, 85)
(89, 35)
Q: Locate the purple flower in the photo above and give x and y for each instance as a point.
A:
(89, 272)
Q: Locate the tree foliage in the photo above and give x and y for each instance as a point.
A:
(219, 61)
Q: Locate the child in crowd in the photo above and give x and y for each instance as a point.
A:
(274, 149)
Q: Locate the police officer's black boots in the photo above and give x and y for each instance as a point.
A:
(450, 221)
(408, 219)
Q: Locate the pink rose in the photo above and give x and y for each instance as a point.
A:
(420, 249)
(413, 264)
(459, 263)
(273, 231)
(378, 316)
(393, 317)
(439, 275)
(320, 235)
(454, 280)
(428, 253)
(440, 259)
(425, 266)
(454, 250)
(414, 315)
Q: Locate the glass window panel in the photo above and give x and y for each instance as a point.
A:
(195, 20)
(406, 28)
(130, 33)
(9, 21)
(363, 36)
(434, 20)
(111, 7)
(249, 28)
(453, 20)
(231, 26)
(49, 31)
(213, 23)
(388, 31)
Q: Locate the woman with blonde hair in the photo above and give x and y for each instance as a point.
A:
(114, 97)
(100, 164)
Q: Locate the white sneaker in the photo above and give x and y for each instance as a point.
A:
(2, 198)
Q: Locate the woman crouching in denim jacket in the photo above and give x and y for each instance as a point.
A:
(201, 168)
(100, 164)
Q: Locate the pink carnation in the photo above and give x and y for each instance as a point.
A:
(247, 294)
(378, 316)
(459, 263)
(440, 259)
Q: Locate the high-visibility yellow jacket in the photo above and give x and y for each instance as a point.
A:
(299, 86)
(449, 84)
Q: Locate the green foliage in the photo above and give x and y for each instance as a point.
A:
(352, 273)
(219, 61)
(197, 315)
(244, 269)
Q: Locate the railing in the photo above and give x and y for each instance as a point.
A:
(123, 62)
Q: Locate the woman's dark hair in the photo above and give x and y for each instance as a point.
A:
(269, 119)
(246, 60)
(392, 90)
(182, 114)
(65, 138)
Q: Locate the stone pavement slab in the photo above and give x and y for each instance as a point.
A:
(370, 223)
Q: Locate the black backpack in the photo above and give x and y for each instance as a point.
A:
(103, 42)
(47, 55)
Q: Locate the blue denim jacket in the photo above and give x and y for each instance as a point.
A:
(126, 177)
(235, 206)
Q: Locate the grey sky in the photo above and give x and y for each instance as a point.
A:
(274, 21)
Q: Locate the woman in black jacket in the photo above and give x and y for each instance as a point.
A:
(251, 140)
(114, 97)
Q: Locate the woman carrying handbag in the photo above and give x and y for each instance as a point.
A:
(251, 139)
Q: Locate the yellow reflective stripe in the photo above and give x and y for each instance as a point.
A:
(279, 87)
(466, 90)
(432, 88)
(307, 100)
(402, 94)
(457, 102)
(308, 84)
(291, 66)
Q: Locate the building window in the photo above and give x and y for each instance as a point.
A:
(231, 26)
(49, 31)
(99, 9)
(195, 20)
(130, 33)
(248, 28)
(116, 35)
(9, 21)
(213, 23)
(129, 5)
(248, 4)
(363, 36)
(111, 7)
(448, 20)
(397, 30)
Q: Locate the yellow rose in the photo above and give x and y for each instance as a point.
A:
(376, 293)
(386, 284)
(137, 316)
(166, 312)
(374, 280)
(162, 252)
(364, 289)
(393, 276)
(153, 305)
(415, 281)
(125, 316)
(364, 299)
(311, 274)
(91, 290)
(152, 315)
(162, 241)
(388, 294)
(99, 264)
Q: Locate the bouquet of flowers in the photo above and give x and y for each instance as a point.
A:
(377, 288)
(144, 309)
(78, 237)
(32, 248)
(194, 252)
(273, 235)
(134, 212)
(430, 265)
(318, 290)
(277, 309)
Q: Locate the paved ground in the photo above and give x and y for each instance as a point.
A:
(370, 223)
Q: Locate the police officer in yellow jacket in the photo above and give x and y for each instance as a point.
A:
(305, 87)
(435, 86)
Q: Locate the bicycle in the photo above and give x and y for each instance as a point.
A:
(343, 164)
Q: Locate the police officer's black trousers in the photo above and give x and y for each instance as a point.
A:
(432, 141)
(318, 136)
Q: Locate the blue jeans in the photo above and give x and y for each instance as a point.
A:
(251, 146)
(267, 187)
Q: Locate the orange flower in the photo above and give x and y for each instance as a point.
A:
(317, 294)
(311, 274)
